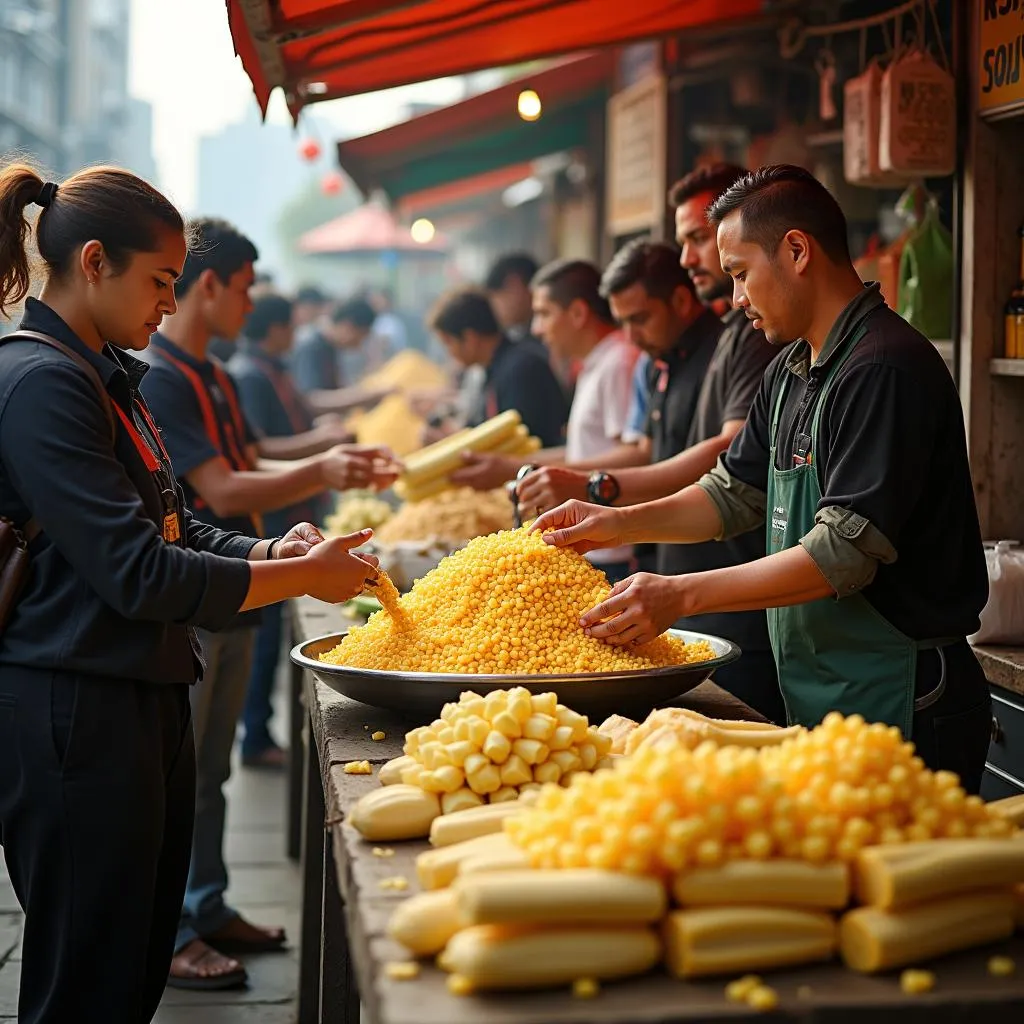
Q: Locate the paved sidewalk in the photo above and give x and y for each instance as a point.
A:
(265, 886)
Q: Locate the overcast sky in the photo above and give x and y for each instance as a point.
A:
(182, 62)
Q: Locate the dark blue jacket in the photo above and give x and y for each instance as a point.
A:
(106, 596)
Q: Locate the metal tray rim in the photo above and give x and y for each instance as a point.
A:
(300, 657)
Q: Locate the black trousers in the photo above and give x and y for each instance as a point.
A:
(954, 733)
(97, 792)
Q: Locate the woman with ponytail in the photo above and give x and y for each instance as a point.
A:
(97, 768)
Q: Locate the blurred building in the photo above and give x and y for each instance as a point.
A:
(32, 79)
(64, 86)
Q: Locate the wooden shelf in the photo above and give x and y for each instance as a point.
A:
(1006, 367)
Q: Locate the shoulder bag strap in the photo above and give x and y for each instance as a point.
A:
(31, 529)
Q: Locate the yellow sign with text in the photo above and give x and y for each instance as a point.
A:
(1001, 57)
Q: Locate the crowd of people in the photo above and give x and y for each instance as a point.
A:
(171, 497)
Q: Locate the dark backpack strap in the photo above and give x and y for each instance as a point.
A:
(82, 363)
(32, 529)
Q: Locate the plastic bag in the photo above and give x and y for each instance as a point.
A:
(917, 124)
(1002, 620)
(926, 278)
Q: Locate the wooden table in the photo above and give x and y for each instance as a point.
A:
(345, 914)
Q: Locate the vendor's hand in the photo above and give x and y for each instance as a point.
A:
(348, 468)
(581, 526)
(639, 609)
(484, 472)
(338, 573)
(548, 487)
(335, 432)
(298, 541)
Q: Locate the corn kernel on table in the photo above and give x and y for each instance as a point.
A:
(345, 948)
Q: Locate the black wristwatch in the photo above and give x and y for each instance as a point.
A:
(603, 488)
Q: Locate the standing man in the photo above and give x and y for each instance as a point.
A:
(854, 462)
(516, 375)
(726, 395)
(574, 322)
(276, 408)
(508, 287)
(316, 360)
(215, 455)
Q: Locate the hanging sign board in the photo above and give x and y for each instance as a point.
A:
(1000, 67)
(636, 129)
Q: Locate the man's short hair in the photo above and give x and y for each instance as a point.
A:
(516, 264)
(715, 178)
(569, 280)
(267, 311)
(217, 246)
(467, 309)
(357, 312)
(310, 295)
(780, 198)
(655, 265)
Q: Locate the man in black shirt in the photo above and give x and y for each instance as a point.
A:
(732, 380)
(854, 458)
(516, 375)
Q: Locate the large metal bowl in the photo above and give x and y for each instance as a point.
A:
(421, 694)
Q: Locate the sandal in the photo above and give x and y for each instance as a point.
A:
(241, 936)
(200, 967)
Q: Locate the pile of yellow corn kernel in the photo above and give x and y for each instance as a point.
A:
(489, 749)
(820, 797)
(505, 604)
(357, 510)
(453, 517)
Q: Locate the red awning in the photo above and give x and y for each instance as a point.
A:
(322, 49)
(458, 192)
(367, 229)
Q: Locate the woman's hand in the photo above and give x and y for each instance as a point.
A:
(298, 541)
(336, 572)
(581, 526)
(639, 609)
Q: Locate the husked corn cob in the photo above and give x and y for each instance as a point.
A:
(506, 603)
(492, 957)
(896, 876)
(394, 812)
(510, 859)
(773, 883)
(618, 730)
(425, 922)
(574, 896)
(437, 869)
(446, 455)
(872, 939)
(391, 772)
(725, 940)
(479, 821)
(690, 728)
(1011, 808)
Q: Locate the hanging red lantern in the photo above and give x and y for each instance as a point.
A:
(309, 150)
(332, 184)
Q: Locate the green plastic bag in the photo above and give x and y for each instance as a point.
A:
(926, 278)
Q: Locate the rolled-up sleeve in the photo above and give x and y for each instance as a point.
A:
(89, 509)
(847, 549)
(740, 506)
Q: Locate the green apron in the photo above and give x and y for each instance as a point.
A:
(834, 655)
